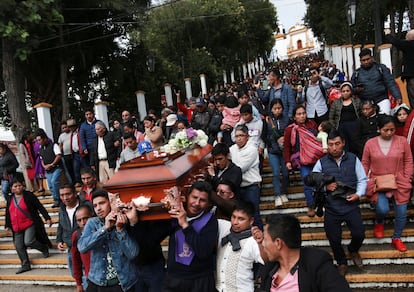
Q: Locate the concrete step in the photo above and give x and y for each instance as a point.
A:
(381, 276)
(385, 269)
(57, 259)
(57, 277)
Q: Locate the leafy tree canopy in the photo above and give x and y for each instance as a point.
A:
(201, 36)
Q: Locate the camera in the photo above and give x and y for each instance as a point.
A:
(318, 180)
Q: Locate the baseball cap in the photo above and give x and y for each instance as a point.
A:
(171, 119)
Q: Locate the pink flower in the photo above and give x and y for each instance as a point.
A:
(191, 133)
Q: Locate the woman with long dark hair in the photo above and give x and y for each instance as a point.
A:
(27, 157)
(276, 123)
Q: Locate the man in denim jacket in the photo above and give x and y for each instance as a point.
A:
(113, 249)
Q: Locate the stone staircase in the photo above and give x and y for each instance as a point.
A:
(384, 268)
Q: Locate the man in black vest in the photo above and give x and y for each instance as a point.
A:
(50, 155)
(342, 199)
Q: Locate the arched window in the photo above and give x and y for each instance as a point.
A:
(299, 44)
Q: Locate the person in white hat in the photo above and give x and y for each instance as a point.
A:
(171, 125)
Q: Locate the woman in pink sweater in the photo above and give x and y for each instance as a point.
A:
(389, 154)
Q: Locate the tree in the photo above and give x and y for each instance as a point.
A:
(208, 35)
(68, 39)
(18, 23)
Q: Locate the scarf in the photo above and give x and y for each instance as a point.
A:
(184, 254)
(235, 237)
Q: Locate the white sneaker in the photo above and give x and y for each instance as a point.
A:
(284, 198)
(278, 201)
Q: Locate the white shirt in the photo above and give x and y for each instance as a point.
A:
(247, 158)
(71, 213)
(255, 127)
(235, 268)
(315, 101)
(56, 149)
(75, 143)
(64, 139)
(101, 149)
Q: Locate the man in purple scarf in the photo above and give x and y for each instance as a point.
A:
(192, 247)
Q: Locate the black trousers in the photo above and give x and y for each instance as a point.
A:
(199, 284)
(333, 230)
(92, 287)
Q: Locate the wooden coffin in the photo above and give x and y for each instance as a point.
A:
(149, 176)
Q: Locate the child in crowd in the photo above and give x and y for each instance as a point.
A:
(231, 116)
(366, 127)
(323, 129)
(400, 116)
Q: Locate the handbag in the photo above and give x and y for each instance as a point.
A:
(385, 183)
(295, 161)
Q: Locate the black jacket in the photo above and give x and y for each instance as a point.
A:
(34, 206)
(316, 273)
(233, 173)
(407, 47)
(111, 151)
(65, 230)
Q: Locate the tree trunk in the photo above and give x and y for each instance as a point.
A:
(63, 79)
(14, 83)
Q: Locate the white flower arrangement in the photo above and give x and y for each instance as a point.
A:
(184, 139)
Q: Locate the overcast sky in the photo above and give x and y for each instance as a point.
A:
(290, 12)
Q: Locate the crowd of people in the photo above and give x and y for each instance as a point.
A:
(217, 240)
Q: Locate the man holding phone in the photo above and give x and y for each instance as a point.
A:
(113, 249)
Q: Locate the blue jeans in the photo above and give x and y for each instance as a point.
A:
(277, 163)
(70, 265)
(84, 161)
(252, 194)
(382, 209)
(150, 277)
(76, 159)
(53, 180)
(5, 188)
(304, 171)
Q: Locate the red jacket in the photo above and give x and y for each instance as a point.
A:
(79, 260)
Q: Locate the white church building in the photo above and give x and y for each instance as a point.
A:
(298, 41)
